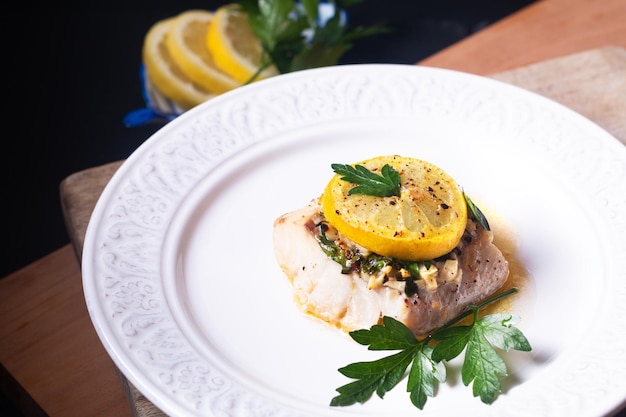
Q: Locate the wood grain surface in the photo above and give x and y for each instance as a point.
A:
(52, 360)
(593, 80)
(544, 30)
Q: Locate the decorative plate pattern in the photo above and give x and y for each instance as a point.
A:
(180, 240)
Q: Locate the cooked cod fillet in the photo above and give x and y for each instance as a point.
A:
(357, 300)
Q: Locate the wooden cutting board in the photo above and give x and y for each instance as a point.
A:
(592, 83)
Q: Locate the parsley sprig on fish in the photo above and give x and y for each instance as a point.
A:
(482, 366)
(385, 184)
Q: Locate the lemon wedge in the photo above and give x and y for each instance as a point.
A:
(186, 43)
(425, 222)
(234, 47)
(165, 74)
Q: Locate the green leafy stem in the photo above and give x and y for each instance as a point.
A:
(293, 38)
(482, 366)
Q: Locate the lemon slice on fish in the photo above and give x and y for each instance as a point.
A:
(424, 222)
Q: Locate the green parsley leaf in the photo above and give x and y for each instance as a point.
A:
(379, 376)
(386, 184)
(482, 366)
(452, 341)
(293, 39)
(382, 375)
(424, 374)
(499, 330)
(391, 335)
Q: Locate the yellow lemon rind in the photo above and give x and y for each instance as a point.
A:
(166, 76)
(429, 243)
(221, 44)
(186, 44)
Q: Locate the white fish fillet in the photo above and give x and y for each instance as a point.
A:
(346, 301)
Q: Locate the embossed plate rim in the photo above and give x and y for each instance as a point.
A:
(174, 160)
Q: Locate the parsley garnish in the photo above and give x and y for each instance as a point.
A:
(293, 38)
(386, 184)
(482, 365)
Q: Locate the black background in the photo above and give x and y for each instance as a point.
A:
(72, 74)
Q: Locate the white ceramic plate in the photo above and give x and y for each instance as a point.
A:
(184, 292)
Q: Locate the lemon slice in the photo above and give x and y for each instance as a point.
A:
(186, 42)
(163, 72)
(234, 47)
(425, 222)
